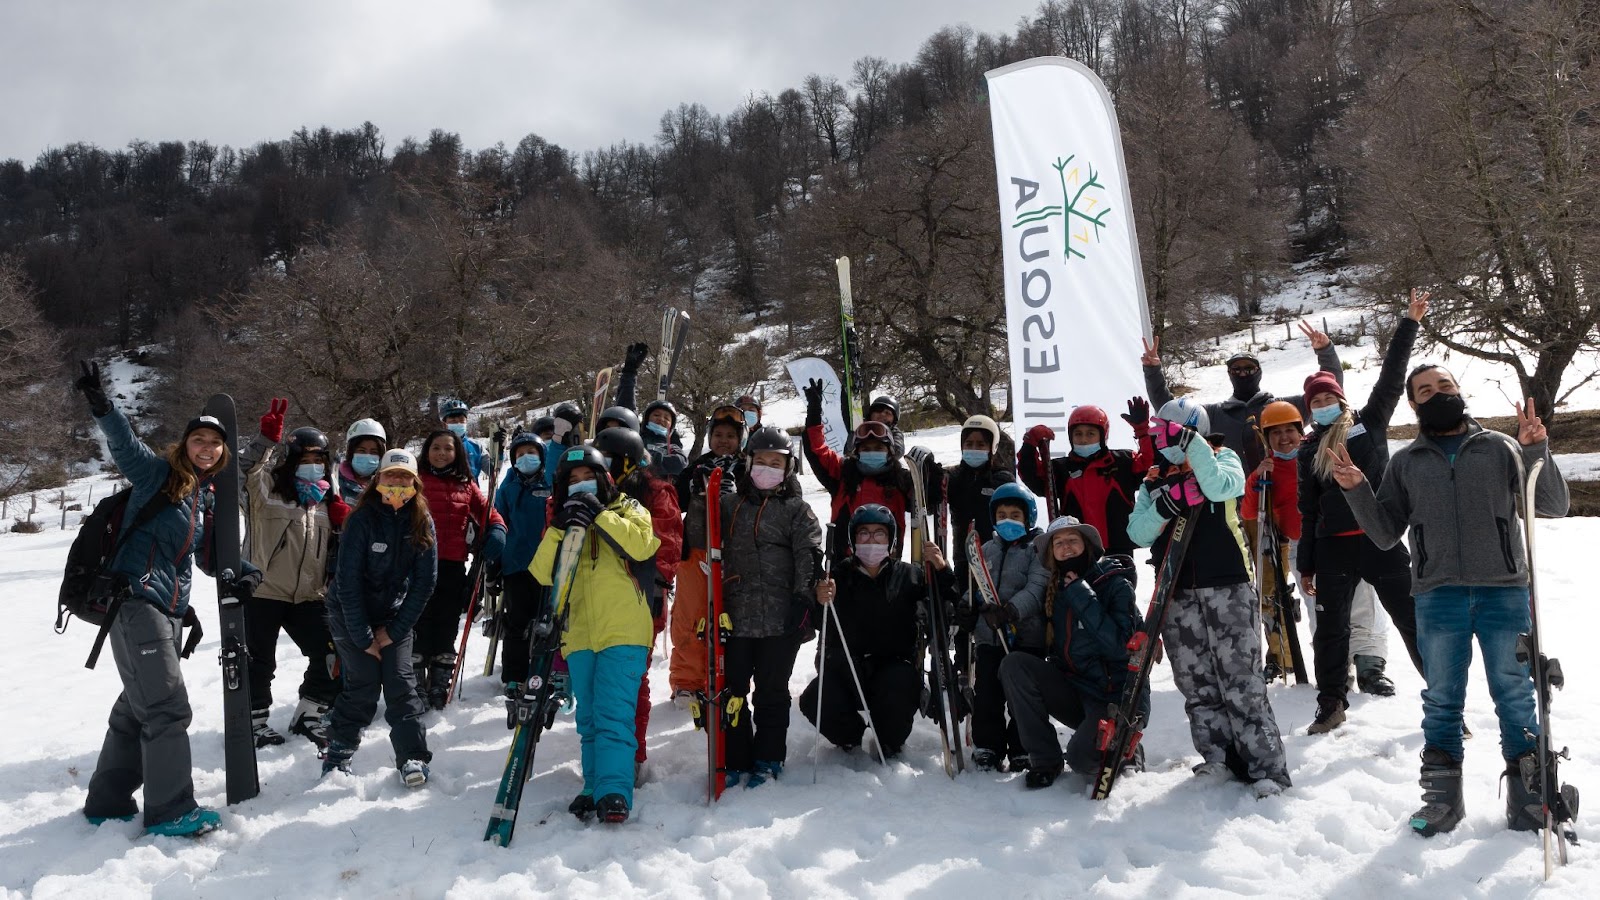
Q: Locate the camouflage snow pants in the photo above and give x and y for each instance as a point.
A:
(1213, 640)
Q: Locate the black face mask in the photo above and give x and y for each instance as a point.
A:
(1246, 386)
(1441, 413)
(1078, 565)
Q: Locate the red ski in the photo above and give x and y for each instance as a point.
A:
(712, 708)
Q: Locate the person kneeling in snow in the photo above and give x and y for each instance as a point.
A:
(1212, 631)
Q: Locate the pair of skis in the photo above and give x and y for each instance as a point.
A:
(942, 681)
(239, 744)
(713, 710)
(475, 574)
(1273, 585)
(534, 708)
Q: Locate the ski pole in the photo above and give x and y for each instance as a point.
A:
(822, 673)
(860, 694)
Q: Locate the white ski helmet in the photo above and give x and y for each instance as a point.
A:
(1185, 411)
(365, 428)
(982, 423)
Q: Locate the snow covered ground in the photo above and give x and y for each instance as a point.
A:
(861, 830)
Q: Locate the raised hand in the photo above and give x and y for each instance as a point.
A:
(1345, 472)
(1318, 339)
(1152, 352)
(93, 389)
(1530, 429)
(1418, 307)
(1138, 414)
(635, 355)
(1039, 435)
(272, 422)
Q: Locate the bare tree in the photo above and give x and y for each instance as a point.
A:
(33, 444)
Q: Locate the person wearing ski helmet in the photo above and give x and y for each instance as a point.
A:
(387, 566)
(293, 513)
(1091, 613)
(870, 472)
(724, 438)
(750, 407)
(1457, 493)
(971, 482)
(544, 428)
(608, 630)
(616, 417)
(1212, 632)
(458, 507)
(877, 603)
(365, 442)
(771, 543)
(1335, 556)
(453, 415)
(623, 451)
(1281, 430)
(1094, 483)
(1231, 417)
(1013, 624)
(566, 424)
(659, 428)
(521, 503)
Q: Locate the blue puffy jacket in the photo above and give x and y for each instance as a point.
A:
(1091, 620)
(523, 506)
(382, 579)
(156, 559)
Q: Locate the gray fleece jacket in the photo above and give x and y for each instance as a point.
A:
(1464, 518)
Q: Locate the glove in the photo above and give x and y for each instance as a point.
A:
(579, 510)
(813, 392)
(1039, 435)
(338, 511)
(244, 586)
(93, 389)
(966, 617)
(1179, 494)
(1171, 434)
(499, 437)
(999, 615)
(635, 356)
(272, 422)
(1138, 414)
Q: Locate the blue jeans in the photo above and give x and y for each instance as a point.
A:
(606, 686)
(1447, 620)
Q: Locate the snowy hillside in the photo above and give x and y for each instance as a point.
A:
(861, 830)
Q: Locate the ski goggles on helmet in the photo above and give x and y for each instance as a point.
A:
(728, 413)
(871, 430)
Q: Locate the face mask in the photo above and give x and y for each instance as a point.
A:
(396, 495)
(1442, 412)
(527, 464)
(1086, 450)
(1246, 386)
(751, 419)
(873, 460)
(1174, 455)
(1327, 415)
(1010, 529)
(656, 428)
(583, 487)
(459, 429)
(766, 477)
(308, 472)
(1078, 565)
(1286, 456)
(872, 555)
(974, 458)
(364, 464)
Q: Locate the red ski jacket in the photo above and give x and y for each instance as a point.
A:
(452, 503)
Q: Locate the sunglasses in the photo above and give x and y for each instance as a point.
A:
(867, 430)
(1243, 370)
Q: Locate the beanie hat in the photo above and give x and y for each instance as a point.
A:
(1322, 383)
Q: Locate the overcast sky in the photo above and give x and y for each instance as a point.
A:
(580, 73)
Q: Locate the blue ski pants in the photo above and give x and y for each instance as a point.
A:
(606, 686)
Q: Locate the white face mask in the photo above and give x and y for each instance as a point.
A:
(872, 555)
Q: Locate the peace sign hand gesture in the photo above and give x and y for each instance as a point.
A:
(1418, 307)
(1318, 339)
(1152, 352)
(1345, 472)
(1530, 428)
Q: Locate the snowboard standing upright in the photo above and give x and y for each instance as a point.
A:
(943, 685)
(239, 742)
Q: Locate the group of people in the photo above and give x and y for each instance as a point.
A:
(364, 562)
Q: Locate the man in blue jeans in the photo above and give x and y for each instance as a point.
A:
(1458, 488)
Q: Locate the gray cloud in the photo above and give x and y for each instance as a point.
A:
(581, 73)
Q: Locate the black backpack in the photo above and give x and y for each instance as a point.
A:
(89, 590)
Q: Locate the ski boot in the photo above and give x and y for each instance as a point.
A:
(264, 734)
(582, 806)
(1370, 677)
(1042, 776)
(336, 757)
(440, 670)
(765, 770)
(1524, 812)
(1443, 805)
(985, 760)
(613, 809)
(310, 722)
(1019, 763)
(193, 823)
(414, 772)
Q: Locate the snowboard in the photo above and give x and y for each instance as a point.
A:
(239, 743)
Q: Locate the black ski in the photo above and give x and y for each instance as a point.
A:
(945, 687)
(239, 744)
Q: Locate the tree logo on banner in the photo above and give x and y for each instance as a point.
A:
(1077, 207)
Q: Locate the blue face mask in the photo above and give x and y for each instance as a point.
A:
(1010, 529)
(1174, 455)
(974, 458)
(458, 428)
(308, 472)
(364, 464)
(1286, 456)
(751, 418)
(1327, 415)
(656, 428)
(527, 463)
(874, 460)
(1086, 450)
(583, 487)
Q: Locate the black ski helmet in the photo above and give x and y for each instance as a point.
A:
(625, 449)
(569, 411)
(661, 404)
(543, 425)
(874, 514)
(772, 439)
(308, 438)
(622, 415)
(884, 401)
(525, 439)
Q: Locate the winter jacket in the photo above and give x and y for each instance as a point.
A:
(1097, 490)
(350, 485)
(771, 548)
(660, 497)
(1020, 580)
(1324, 512)
(1231, 417)
(478, 462)
(1091, 622)
(969, 491)
(606, 606)
(1218, 553)
(879, 613)
(1464, 518)
(1284, 484)
(289, 542)
(851, 487)
(691, 483)
(455, 503)
(520, 503)
(156, 559)
(666, 453)
(383, 578)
